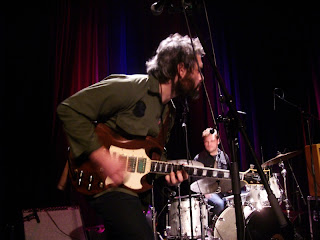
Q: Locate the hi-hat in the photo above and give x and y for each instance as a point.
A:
(212, 185)
(281, 157)
(187, 162)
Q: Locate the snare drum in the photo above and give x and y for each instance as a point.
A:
(230, 199)
(199, 217)
(258, 197)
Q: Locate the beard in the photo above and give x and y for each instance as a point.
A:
(186, 87)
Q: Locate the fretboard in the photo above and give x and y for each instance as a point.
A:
(161, 167)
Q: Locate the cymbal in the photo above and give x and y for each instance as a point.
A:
(281, 157)
(185, 162)
(211, 185)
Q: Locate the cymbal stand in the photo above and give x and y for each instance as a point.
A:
(179, 211)
(202, 201)
(284, 175)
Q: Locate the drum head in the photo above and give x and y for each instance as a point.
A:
(225, 227)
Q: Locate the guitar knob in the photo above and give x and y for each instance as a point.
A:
(90, 178)
(101, 184)
(79, 181)
(89, 187)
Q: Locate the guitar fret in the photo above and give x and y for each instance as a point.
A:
(154, 165)
(214, 173)
(166, 168)
(204, 172)
(159, 167)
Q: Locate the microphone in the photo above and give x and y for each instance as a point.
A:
(157, 7)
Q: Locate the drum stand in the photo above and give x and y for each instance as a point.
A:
(154, 216)
(286, 200)
(179, 211)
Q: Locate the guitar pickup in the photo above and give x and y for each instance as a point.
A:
(132, 162)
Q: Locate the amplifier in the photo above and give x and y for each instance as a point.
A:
(314, 217)
(63, 223)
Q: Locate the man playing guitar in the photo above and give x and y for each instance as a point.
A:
(130, 109)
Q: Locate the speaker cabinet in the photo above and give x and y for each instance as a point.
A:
(63, 223)
(316, 160)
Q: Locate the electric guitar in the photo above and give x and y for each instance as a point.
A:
(136, 154)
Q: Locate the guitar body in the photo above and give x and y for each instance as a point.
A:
(88, 179)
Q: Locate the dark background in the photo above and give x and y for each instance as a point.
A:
(53, 49)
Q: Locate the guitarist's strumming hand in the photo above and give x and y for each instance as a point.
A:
(174, 179)
(112, 167)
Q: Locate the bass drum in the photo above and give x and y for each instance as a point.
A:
(225, 226)
(260, 225)
(264, 225)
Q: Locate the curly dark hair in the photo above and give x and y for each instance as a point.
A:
(173, 50)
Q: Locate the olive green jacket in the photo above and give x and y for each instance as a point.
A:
(129, 104)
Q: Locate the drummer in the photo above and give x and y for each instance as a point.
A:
(213, 157)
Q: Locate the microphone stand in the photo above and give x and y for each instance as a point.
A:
(234, 165)
(153, 214)
(307, 117)
(184, 126)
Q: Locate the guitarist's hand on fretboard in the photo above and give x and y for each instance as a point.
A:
(174, 179)
(109, 164)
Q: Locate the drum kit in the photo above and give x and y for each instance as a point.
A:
(197, 222)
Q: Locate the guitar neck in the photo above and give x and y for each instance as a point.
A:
(160, 167)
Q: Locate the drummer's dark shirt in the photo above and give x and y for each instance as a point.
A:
(209, 161)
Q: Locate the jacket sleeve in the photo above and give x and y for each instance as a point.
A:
(80, 112)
